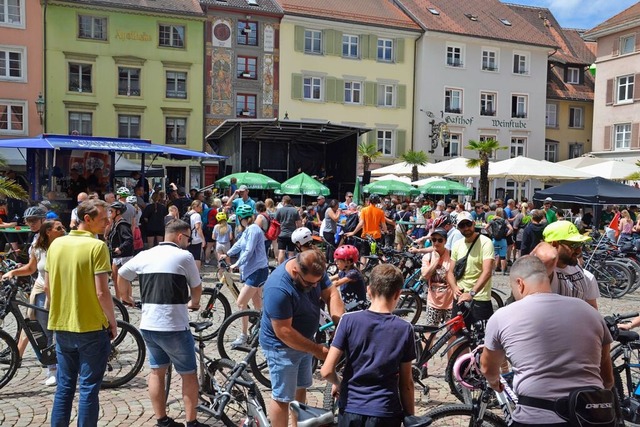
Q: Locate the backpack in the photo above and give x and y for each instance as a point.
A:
(274, 229)
(187, 218)
(351, 223)
(209, 218)
(499, 228)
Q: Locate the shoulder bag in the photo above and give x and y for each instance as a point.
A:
(461, 264)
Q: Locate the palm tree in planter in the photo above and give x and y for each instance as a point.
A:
(485, 149)
(10, 188)
(415, 159)
(369, 152)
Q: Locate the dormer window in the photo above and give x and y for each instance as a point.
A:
(433, 11)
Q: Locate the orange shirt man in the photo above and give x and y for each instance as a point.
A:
(372, 220)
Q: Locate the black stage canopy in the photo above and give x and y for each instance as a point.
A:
(592, 191)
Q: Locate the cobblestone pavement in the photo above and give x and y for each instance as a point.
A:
(26, 401)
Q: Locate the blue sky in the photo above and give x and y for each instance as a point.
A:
(580, 13)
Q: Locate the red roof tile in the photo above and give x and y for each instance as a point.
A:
(630, 14)
(557, 88)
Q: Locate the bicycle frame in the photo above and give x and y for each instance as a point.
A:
(453, 326)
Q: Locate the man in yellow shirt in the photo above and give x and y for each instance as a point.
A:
(372, 223)
(81, 313)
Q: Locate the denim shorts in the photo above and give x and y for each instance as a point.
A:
(289, 370)
(257, 278)
(165, 347)
(500, 248)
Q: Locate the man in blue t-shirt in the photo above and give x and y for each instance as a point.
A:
(291, 310)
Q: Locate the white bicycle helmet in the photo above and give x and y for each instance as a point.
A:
(301, 236)
(132, 199)
(466, 369)
(123, 191)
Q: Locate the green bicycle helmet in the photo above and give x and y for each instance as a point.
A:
(244, 211)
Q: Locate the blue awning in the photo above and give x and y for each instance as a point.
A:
(94, 143)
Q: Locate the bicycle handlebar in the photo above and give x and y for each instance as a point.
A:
(234, 379)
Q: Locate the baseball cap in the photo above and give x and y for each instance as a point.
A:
(548, 200)
(349, 194)
(464, 216)
(563, 230)
(440, 231)
(243, 188)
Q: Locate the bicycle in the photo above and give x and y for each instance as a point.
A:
(126, 357)
(214, 307)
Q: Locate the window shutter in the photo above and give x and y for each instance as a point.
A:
(609, 97)
(372, 137)
(296, 86)
(373, 47)
(616, 47)
(399, 51)
(328, 37)
(364, 47)
(635, 143)
(401, 101)
(566, 73)
(370, 93)
(330, 89)
(607, 138)
(581, 76)
(298, 39)
(337, 43)
(401, 136)
(636, 88)
(340, 91)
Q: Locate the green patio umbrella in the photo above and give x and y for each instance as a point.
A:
(357, 191)
(303, 185)
(445, 187)
(390, 187)
(255, 181)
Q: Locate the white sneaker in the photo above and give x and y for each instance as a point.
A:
(241, 340)
(51, 381)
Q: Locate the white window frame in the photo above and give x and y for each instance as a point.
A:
(483, 138)
(386, 95)
(129, 90)
(551, 151)
(182, 122)
(488, 98)
(623, 40)
(496, 60)
(523, 99)
(128, 119)
(453, 51)
(9, 103)
(576, 114)
(511, 187)
(172, 40)
(453, 94)
(82, 116)
(622, 136)
(350, 42)
(527, 64)
(518, 146)
(455, 144)
(550, 114)
(8, 50)
(383, 137)
(625, 83)
(4, 4)
(313, 83)
(312, 36)
(93, 19)
(385, 46)
(573, 152)
(172, 77)
(573, 75)
(352, 89)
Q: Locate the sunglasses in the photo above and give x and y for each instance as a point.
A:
(188, 236)
(60, 228)
(465, 224)
(572, 245)
(437, 240)
(307, 283)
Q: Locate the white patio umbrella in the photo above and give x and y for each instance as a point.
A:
(614, 170)
(581, 162)
(521, 169)
(421, 182)
(400, 168)
(446, 167)
(393, 177)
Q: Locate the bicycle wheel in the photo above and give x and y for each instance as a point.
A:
(122, 314)
(236, 411)
(11, 326)
(614, 278)
(9, 358)
(167, 384)
(456, 389)
(496, 300)
(462, 415)
(409, 306)
(625, 390)
(259, 367)
(232, 328)
(126, 357)
(214, 308)
(332, 269)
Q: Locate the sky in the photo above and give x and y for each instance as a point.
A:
(584, 14)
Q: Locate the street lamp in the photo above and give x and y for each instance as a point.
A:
(439, 132)
(40, 106)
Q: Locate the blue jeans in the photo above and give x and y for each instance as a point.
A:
(43, 318)
(84, 356)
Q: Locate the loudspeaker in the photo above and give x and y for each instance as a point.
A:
(366, 178)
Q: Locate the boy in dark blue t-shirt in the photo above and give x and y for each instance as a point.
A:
(349, 279)
(376, 390)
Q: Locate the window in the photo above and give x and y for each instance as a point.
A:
(172, 36)
(11, 12)
(575, 150)
(175, 130)
(625, 89)
(488, 103)
(454, 56)
(246, 105)
(247, 33)
(622, 136)
(386, 95)
(12, 66)
(573, 76)
(452, 149)
(519, 106)
(551, 152)
(128, 81)
(176, 84)
(576, 115)
(385, 142)
(627, 44)
(552, 116)
(312, 88)
(520, 63)
(80, 123)
(313, 41)
(352, 91)
(349, 46)
(91, 27)
(247, 67)
(484, 138)
(453, 101)
(12, 117)
(385, 50)
(518, 146)
(489, 60)
(128, 126)
(80, 78)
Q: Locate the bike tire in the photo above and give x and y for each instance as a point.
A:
(409, 300)
(122, 314)
(614, 278)
(456, 389)
(231, 329)
(11, 326)
(462, 415)
(9, 358)
(259, 366)
(496, 300)
(167, 384)
(214, 308)
(126, 357)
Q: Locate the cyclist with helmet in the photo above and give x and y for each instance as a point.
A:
(349, 279)
(130, 214)
(34, 216)
(138, 243)
(253, 263)
(302, 239)
(119, 239)
(222, 234)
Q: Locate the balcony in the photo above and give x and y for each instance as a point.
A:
(519, 115)
(452, 62)
(486, 112)
(453, 110)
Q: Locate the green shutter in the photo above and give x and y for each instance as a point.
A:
(330, 89)
(340, 91)
(298, 39)
(296, 86)
(337, 46)
(401, 136)
(370, 93)
(364, 47)
(401, 101)
(399, 51)
(373, 47)
(328, 37)
(372, 137)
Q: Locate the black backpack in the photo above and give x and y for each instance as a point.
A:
(498, 228)
(187, 218)
(351, 223)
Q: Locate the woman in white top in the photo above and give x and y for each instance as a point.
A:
(198, 242)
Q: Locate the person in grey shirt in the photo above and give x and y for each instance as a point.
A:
(549, 355)
(289, 220)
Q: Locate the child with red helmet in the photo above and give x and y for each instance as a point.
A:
(349, 280)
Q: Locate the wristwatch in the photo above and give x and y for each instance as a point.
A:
(472, 293)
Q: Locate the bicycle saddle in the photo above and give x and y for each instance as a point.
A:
(308, 416)
(200, 326)
(626, 337)
(416, 421)
(370, 256)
